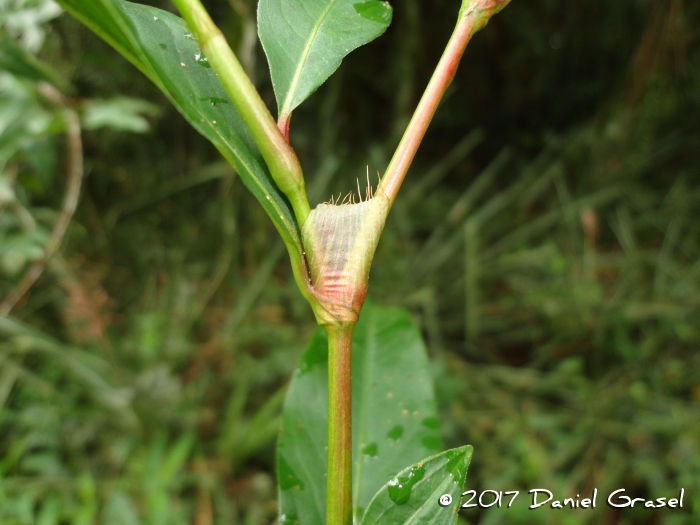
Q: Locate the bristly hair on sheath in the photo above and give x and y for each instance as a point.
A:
(350, 197)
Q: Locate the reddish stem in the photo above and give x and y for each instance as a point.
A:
(441, 79)
(339, 481)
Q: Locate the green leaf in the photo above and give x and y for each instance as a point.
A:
(162, 47)
(413, 496)
(19, 249)
(121, 113)
(22, 117)
(305, 41)
(21, 63)
(394, 415)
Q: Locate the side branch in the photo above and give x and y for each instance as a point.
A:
(472, 17)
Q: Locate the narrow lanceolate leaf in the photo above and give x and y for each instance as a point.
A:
(426, 493)
(305, 41)
(394, 415)
(162, 47)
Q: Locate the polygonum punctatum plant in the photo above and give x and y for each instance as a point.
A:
(371, 369)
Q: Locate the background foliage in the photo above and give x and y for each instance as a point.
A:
(546, 243)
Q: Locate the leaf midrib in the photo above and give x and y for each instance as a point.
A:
(304, 56)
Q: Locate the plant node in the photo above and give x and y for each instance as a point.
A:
(340, 241)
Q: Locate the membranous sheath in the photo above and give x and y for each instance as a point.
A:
(340, 241)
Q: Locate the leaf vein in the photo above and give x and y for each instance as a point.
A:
(304, 56)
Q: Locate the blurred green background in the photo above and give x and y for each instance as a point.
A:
(546, 241)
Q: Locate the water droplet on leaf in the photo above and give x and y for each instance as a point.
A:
(214, 100)
(202, 60)
(431, 422)
(289, 519)
(370, 450)
(375, 11)
(400, 487)
(395, 433)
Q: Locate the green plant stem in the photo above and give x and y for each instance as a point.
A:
(472, 17)
(339, 481)
(278, 154)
